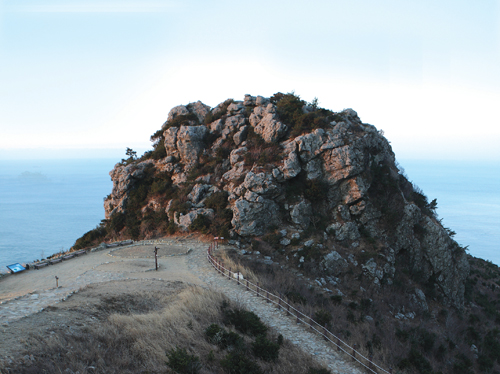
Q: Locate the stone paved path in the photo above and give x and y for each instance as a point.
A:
(108, 267)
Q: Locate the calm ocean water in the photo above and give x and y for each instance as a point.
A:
(45, 205)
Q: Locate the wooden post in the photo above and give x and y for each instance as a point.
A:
(324, 332)
(297, 321)
(311, 321)
(287, 309)
(229, 274)
(247, 284)
(156, 259)
(258, 288)
(338, 344)
(267, 296)
(57, 281)
(354, 351)
(371, 363)
(238, 278)
(279, 302)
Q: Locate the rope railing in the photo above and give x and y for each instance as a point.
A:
(366, 362)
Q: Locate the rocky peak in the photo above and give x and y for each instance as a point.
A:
(249, 168)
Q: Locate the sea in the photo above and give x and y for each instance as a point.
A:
(45, 205)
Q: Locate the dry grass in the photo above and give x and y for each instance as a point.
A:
(139, 337)
(236, 266)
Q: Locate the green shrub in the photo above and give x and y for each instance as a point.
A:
(462, 365)
(201, 223)
(117, 222)
(265, 349)
(238, 363)
(336, 299)
(296, 297)
(322, 317)
(217, 201)
(289, 108)
(272, 238)
(318, 371)
(172, 227)
(245, 321)
(182, 120)
(91, 237)
(182, 362)
(224, 339)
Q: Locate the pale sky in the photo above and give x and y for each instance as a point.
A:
(102, 75)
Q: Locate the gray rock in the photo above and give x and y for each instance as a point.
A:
(301, 214)
(285, 241)
(241, 135)
(190, 142)
(185, 220)
(309, 243)
(177, 111)
(333, 263)
(198, 192)
(291, 166)
(254, 218)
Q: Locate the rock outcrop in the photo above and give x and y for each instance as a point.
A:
(281, 164)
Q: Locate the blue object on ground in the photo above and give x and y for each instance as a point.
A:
(16, 268)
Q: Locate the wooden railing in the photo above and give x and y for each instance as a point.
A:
(290, 310)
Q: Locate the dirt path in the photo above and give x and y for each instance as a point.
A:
(27, 293)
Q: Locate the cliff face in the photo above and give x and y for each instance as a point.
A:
(286, 168)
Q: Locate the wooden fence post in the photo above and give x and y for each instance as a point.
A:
(238, 278)
(324, 332)
(258, 289)
(338, 344)
(267, 296)
(247, 284)
(354, 351)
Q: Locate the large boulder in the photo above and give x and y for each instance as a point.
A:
(190, 143)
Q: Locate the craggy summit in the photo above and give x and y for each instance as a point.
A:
(286, 170)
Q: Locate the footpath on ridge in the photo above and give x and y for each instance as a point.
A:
(30, 292)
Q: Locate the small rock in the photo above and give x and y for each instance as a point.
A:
(285, 241)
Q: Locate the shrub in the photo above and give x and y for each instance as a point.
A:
(217, 201)
(290, 111)
(201, 223)
(322, 317)
(90, 237)
(318, 371)
(182, 362)
(245, 321)
(265, 349)
(336, 299)
(238, 363)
